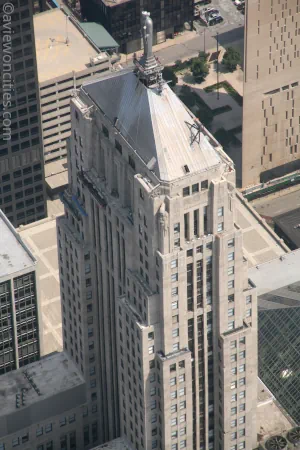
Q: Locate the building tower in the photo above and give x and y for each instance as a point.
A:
(157, 309)
(271, 90)
(20, 334)
(22, 189)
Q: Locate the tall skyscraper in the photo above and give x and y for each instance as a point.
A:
(271, 90)
(22, 193)
(158, 312)
(20, 342)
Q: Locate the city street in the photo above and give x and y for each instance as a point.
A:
(231, 33)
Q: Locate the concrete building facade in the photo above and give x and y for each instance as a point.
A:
(271, 115)
(158, 313)
(20, 324)
(22, 193)
(65, 59)
(43, 407)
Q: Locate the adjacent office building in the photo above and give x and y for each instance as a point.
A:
(122, 19)
(20, 334)
(158, 312)
(65, 59)
(271, 90)
(22, 193)
(278, 286)
(43, 407)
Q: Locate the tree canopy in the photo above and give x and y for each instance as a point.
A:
(231, 59)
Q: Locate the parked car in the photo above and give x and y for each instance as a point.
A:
(214, 19)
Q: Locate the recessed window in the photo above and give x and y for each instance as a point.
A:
(242, 368)
(220, 227)
(174, 277)
(233, 344)
(249, 313)
(174, 263)
(231, 325)
(177, 227)
(151, 350)
(186, 191)
(248, 299)
(230, 270)
(181, 378)
(231, 298)
(176, 347)
(174, 291)
(204, 185)
(195, 188)
(173, 408)
(105, 131)
(233, 385)
(175, 332)
(230, 312)
(230, 284)
(131, 162)
(230, 243)
(242, 381)
(173, 381)
(221, 211)
(231, 256)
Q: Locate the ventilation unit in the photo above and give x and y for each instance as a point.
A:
(294, 436)
(276, 443)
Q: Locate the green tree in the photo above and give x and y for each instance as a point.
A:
(231, 59)
(199, 69)
(169, 75)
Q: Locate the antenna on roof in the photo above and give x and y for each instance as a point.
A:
(67, 35)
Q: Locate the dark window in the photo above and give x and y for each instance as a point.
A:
(105, 131)
(195, 188)
(118, 146)
(186, 191)
(131, 162)
(204, 185)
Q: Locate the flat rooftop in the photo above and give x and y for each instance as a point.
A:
(277, 273)
(45, 378)
(14, 255)
(260, 242)
(41, 238)
(116, 444)
(56, 174)
(289, 224)
(271, 418)
(54, 57)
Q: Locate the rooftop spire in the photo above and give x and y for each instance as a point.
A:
(148, 67)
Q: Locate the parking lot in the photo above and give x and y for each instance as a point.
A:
(233, 18)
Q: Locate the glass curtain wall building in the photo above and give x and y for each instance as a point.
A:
(279, 346)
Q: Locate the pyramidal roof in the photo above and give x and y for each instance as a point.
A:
(155, 123)
(151, 118)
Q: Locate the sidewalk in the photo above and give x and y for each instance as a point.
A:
(183, 37)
